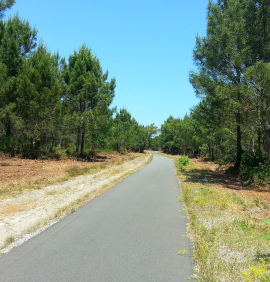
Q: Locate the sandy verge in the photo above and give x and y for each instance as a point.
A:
(43, 207)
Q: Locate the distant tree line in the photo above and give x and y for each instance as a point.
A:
(231, 122)
(50, 107)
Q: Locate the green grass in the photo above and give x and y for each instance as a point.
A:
(9, 240)
(230, 242)
(76, 171)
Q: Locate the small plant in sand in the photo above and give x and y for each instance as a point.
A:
(183, 161)
(9, 240)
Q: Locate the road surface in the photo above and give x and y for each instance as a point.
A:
(133, 232)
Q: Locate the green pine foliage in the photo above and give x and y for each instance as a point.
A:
(230, 125)
(4, 5)
(128, 135)
(53, 108)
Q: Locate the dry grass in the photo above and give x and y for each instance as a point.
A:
(13, 208)
(20, 175)
(17, 207)
(226, 224)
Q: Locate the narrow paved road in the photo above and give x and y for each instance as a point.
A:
(133, 232)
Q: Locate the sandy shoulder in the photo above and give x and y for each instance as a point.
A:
(34, 211)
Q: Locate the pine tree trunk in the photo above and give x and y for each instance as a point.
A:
(267, 142)
(78, 141)
(266, 126)
(8, 127)
(83, 140)
(259, 143)
(238, 142)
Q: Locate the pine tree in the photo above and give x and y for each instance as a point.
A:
(17, 41)
(39, 88)
(223, 56)
(4, 5)
(88, 96)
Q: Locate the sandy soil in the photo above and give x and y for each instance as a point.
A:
(26, 212)
(19, 175)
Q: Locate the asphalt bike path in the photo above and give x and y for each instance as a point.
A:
(133, 232)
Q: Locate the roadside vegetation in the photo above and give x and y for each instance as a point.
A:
(23, 175)
(228, 223)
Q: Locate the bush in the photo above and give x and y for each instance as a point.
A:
(9, 145)
(183, 161)
(227, 159)
(170, 148)
(252, 161)
(59, 154)
(255, 170)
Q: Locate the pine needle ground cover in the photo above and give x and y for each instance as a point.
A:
(228, 224)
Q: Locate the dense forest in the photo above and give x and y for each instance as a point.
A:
(53, 108)
(230, 125)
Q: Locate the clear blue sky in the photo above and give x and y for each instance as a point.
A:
(145, 44)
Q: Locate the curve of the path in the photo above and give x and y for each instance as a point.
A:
(133, 232)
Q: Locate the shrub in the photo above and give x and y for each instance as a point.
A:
(9, 145)
(183, 161)
(258, 175)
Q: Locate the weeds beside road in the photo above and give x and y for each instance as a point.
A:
(229, 225)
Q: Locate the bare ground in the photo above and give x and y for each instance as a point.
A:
(19, 175)
(35, 192)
